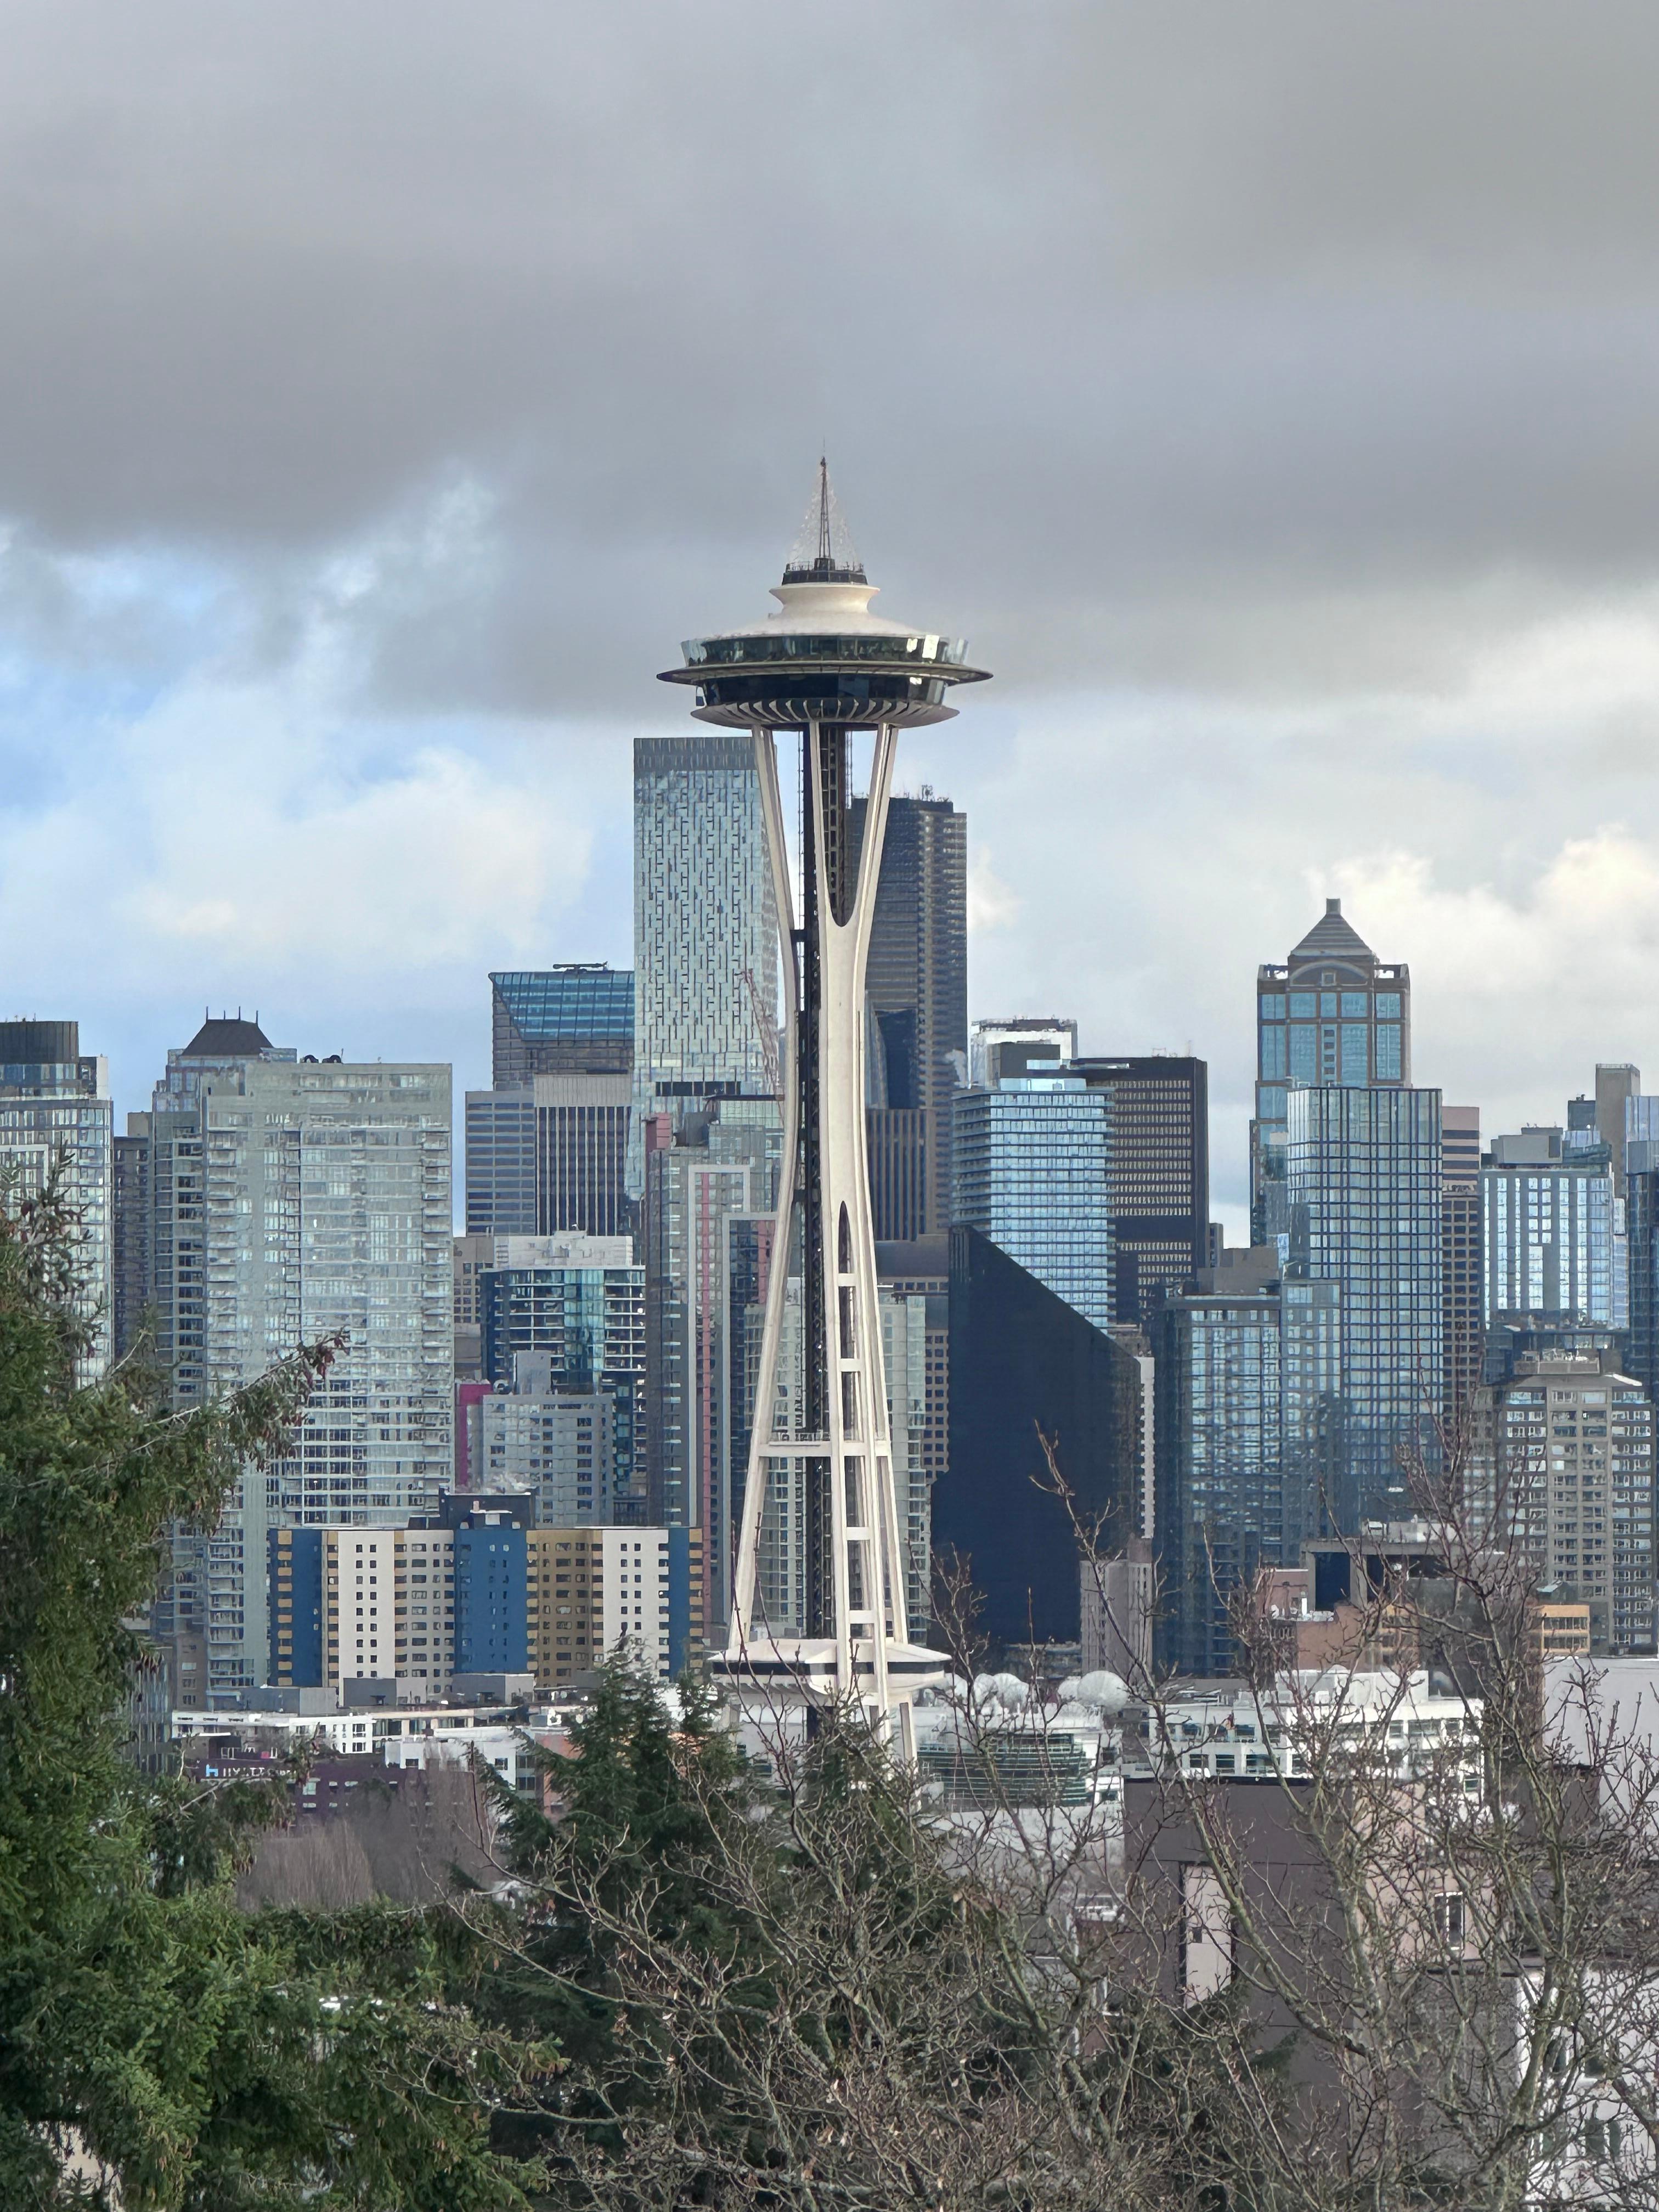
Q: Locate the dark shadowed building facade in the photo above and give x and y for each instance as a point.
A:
(916, 989)
(1021, 1359)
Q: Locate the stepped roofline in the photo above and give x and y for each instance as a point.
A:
(1332, 938)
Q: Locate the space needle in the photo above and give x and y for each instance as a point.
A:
(812, 674)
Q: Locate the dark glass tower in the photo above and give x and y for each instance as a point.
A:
(1022, 1360)
(1159, 1173)
(917, 992)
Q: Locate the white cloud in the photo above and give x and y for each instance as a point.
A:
(991, 904)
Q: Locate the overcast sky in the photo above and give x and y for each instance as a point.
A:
(1269, 393)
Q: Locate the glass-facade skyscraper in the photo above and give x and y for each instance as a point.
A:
(1362, 1171)
(1331, 1013)
(56, 1114)
(290, 1199)
(704, 930)
(1550, 1230)
(1219, 1450)
(573, 1019)
(1032, 1165)
(547, 1146)
(1023, 1360)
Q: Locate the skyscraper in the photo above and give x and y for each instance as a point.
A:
(1549, 1228)
(55, 1116)
(573, 1019)
(705, 929)
(1331, 1013)
(547, 1147)
(1462, 1276)
(561, 1323)
(1363, 1191)
(916, 990)
(1023, 1360)
(723, 1172)
(1562, 1467)
(290, 1200)
(1159, 1173)
(1032, 1163)
(1220, 1466)
(1616, 1083)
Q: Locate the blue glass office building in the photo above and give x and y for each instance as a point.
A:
(1032, 1160)
(1363, 1169)
(1331, 1013)
(570, 1020)
(1220, 1467)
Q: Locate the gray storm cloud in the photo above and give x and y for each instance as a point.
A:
(1144, 332)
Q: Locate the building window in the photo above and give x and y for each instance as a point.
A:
(1449, 1921)
(1273, 1055)
(1388, 1053)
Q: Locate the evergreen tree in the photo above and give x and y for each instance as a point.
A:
(181, 2053)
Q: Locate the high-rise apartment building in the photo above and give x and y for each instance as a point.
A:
(290, 1200)
(1549, 1231)
(921, 1269)
(129, 1234)
(1363, 1169)
(916, 990)
(575, 1019)
(557, 1443)
(55, 1117)
(565, 1316)
(704, 930)
(1000, 1048)
(595, 1591)
(1462, 1276)
(1331, 1013)
(1562, 1468)
(1032, 1164)
(718, 1182)
(1159, 1173)
(347, 1604)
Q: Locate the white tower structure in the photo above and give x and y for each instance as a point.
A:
(815, 672)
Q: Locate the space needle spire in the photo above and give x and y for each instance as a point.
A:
(808, 677)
